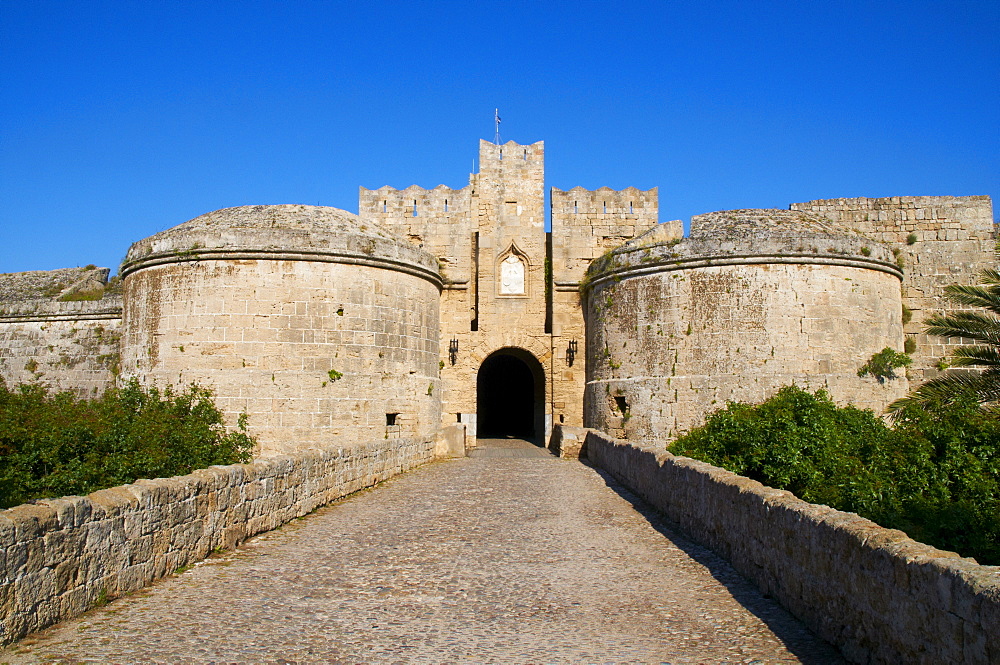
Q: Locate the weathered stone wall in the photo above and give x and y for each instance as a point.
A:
(943, 240)
(435, 220)
(585, 225)
(508, 217)
(49, 337)
(473, 231)
(498, 221)
(752, 301)
(319, 331)
(60, 557)
(875, 593)
(588, 223)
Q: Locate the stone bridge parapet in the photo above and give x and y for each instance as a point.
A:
(878, 595)
(60, 557)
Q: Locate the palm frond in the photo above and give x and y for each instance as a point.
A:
(990, 276)
(976, 355)
(946, 389)
(980, 326)
(977, 326)
(972, 295)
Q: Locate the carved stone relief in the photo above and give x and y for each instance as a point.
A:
(512, 276)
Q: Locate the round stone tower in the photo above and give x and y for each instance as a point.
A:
(322, 329)
(751, 301)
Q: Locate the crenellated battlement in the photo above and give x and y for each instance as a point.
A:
(388, 203)
(511, 156)
(334, 332)
(628, 203)
(587, 223)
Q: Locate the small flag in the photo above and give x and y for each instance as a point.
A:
(496, 114)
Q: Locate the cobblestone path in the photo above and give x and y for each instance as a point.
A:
(498, 558)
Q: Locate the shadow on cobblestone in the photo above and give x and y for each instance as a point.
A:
(797, 638)
(471, 560)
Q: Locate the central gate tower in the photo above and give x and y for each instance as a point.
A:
(510, 289)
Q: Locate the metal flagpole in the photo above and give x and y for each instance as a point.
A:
(496, 117)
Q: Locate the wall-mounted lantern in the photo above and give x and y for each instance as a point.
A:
(571, 352)
(453, 351)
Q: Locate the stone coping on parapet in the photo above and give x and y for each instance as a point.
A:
(892, 202)
(412, 188)
(604, 188)
(46, 285)
(107, 308)
(350, 258)
(747, 237)
(159, 525)
(282, 233)
(878, 595)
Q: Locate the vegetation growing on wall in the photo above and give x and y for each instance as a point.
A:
(883, 365)
(55, 445)
(935, 474)
(982, 326)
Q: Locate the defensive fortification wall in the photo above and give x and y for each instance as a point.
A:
(49, 335)
(588, 223)
(753, 300)
(60, 557)
(875, 593)
(943, 240)
(585, 225)
(436, 220)
(318, 330)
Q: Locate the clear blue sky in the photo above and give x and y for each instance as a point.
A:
(120, 119)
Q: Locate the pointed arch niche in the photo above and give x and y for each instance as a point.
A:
(512, 273)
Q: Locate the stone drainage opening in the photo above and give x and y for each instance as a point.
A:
(510, 396)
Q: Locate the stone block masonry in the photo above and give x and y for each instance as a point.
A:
(751, 301)
(60, 328)
(61, 345)
(321, 328)
(60, 557)
(942, 240)
(875, 593)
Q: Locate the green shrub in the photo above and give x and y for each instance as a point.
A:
(958, 506)
(907, 315)
(883, 365)
(58, 445)
(801, 442)
(933, 475)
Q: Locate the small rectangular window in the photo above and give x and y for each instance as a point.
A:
(630, 207)
(385, 206)
(621, 403)
(390, 419)
(414, 208)
(446, 205)
(575, 209)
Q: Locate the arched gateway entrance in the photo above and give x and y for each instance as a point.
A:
(510, 396)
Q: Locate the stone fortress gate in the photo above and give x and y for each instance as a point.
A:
(363, 345)
(437, 310)
(512, 327)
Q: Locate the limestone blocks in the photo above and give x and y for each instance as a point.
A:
(322, 329)
(752, 300)
(60, 557)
